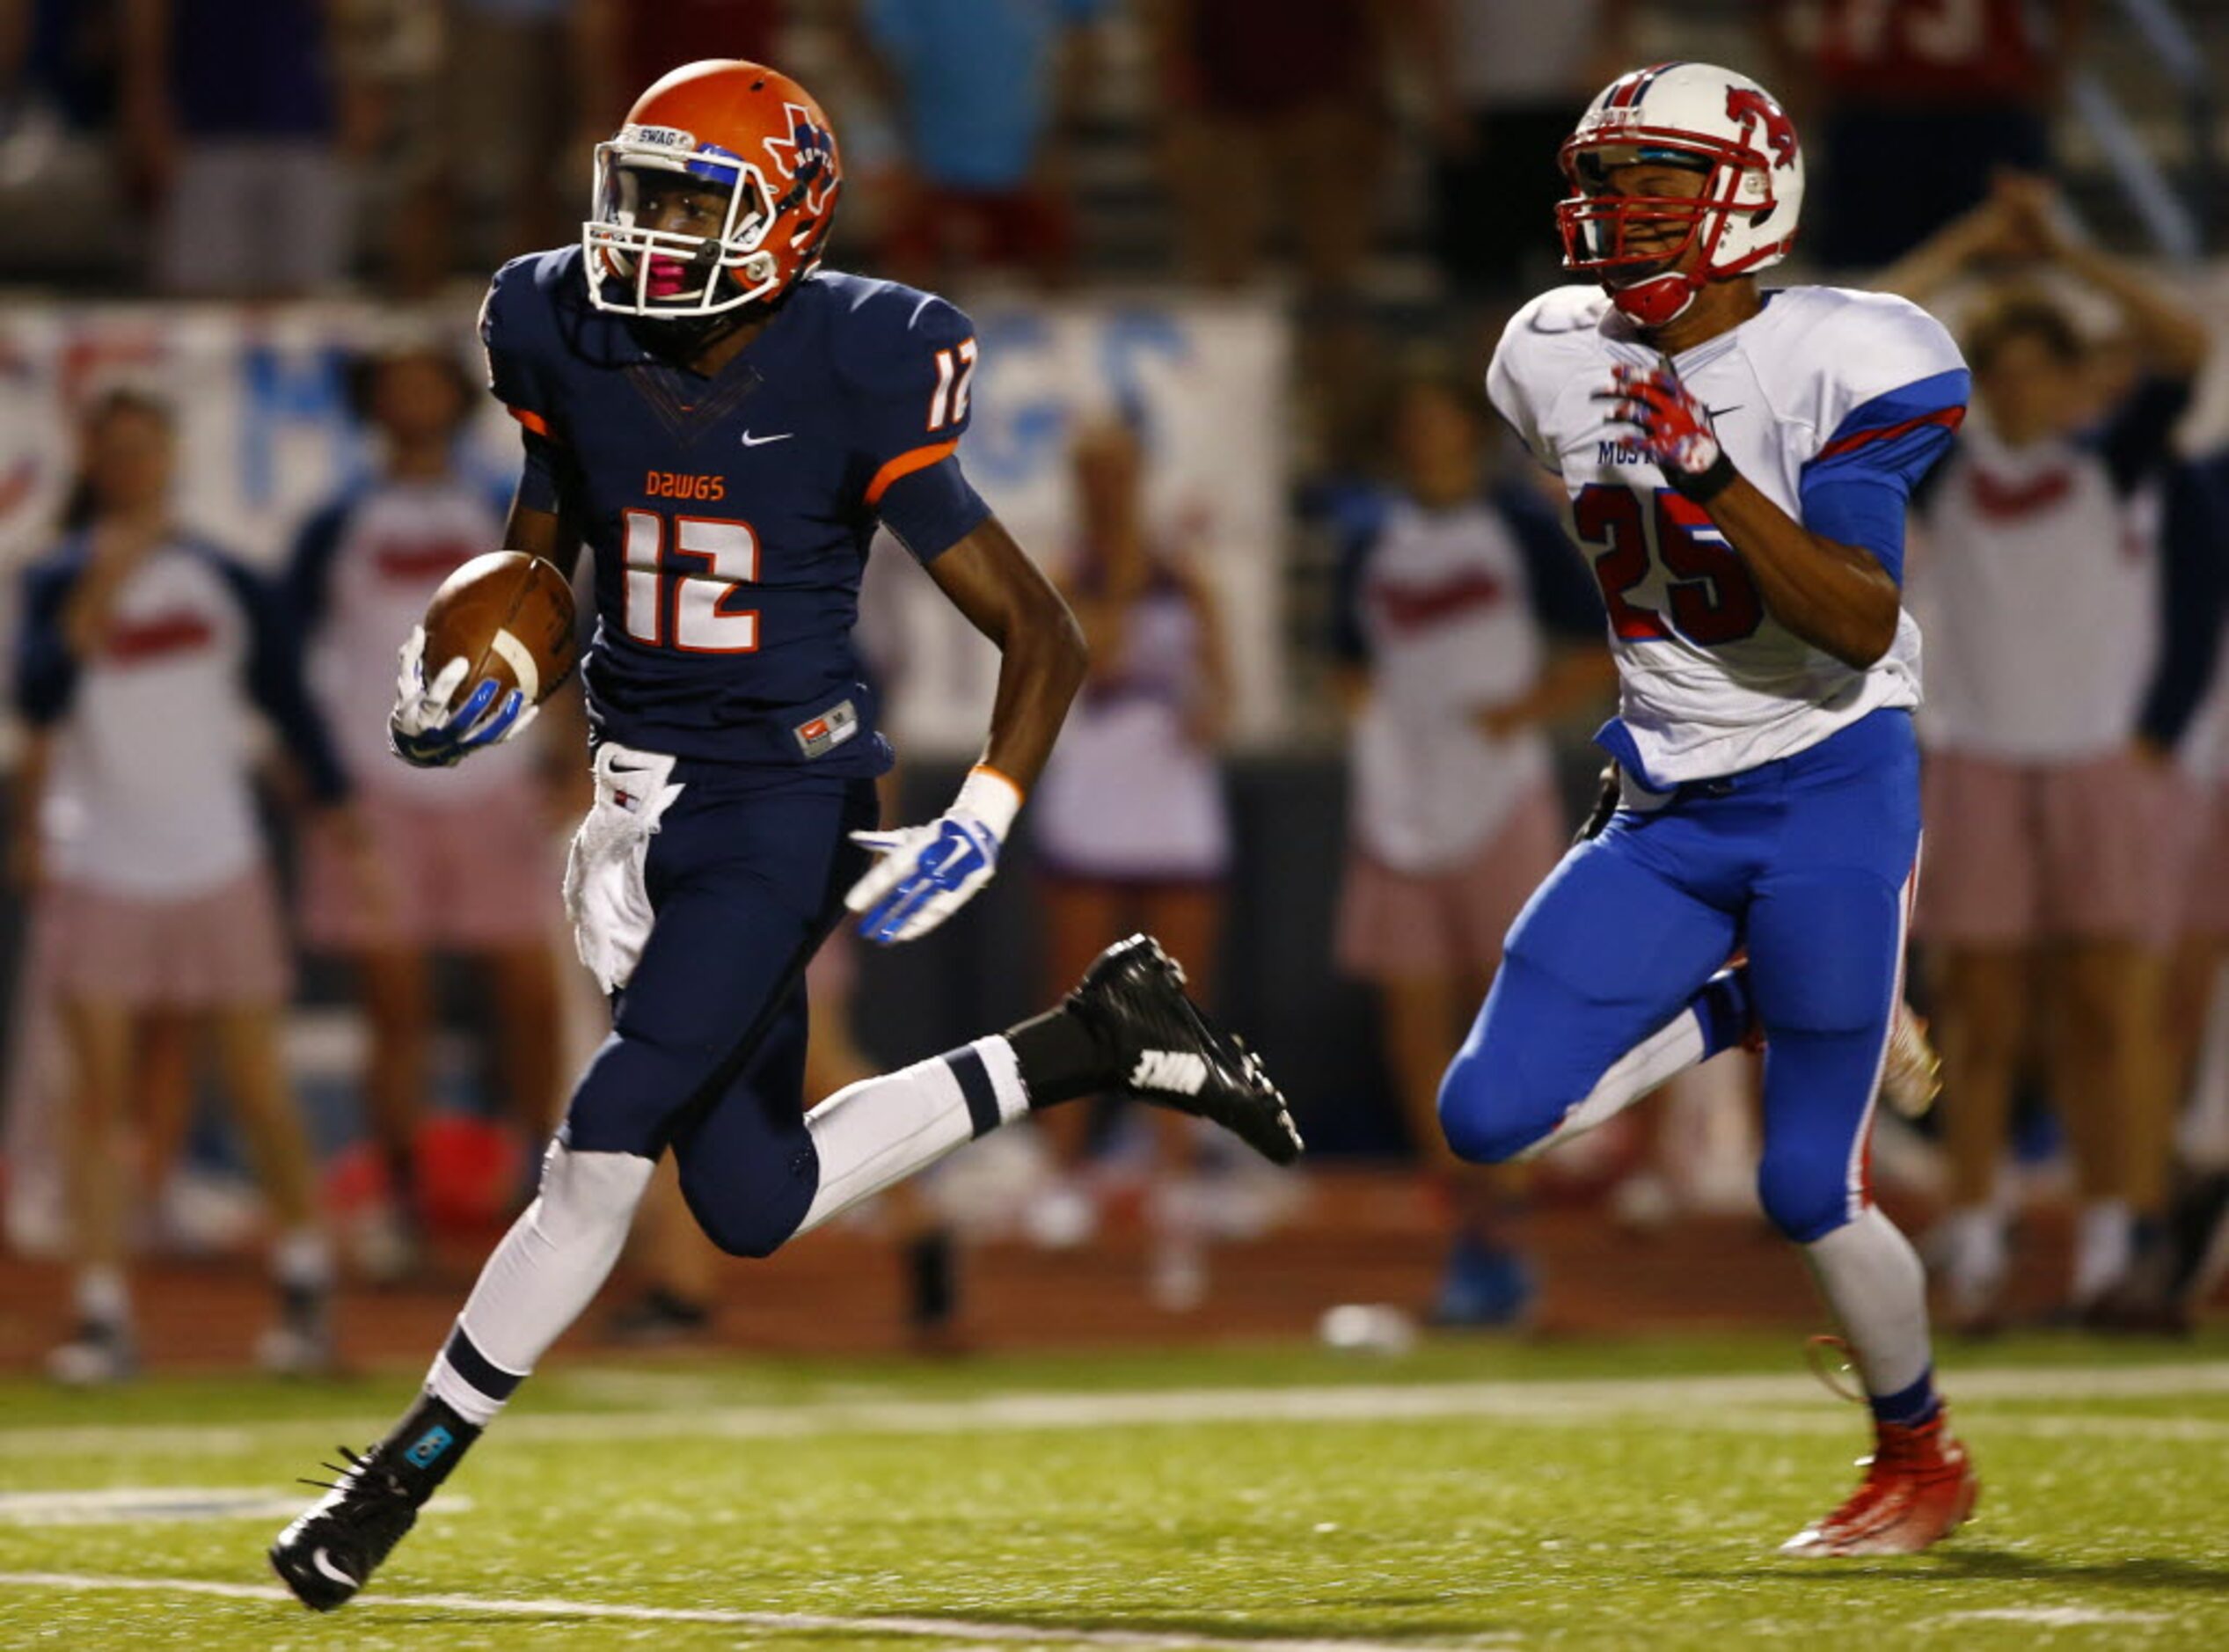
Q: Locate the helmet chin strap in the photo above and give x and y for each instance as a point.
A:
(1658, 301)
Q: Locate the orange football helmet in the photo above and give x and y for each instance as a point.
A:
(744, 128)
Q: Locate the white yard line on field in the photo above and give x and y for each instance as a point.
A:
(2053, 1617)
(1741, 1403)
(960, 1629)
(138, 1505)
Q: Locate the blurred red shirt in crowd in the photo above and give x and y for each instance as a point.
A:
(1931, 51)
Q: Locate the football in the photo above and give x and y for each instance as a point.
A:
(511, 615)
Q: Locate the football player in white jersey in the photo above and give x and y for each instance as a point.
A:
(1738, 462)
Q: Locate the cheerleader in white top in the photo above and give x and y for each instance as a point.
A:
(2051, 806)
(1459, 607)
(144, 653)
(469, 852)
(1129, 827)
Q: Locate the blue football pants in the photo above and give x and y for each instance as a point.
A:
(746, 875)
(1805, 862)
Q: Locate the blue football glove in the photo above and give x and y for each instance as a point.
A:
(425, 732)
(925, 874)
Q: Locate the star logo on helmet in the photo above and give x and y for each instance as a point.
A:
(806, 157)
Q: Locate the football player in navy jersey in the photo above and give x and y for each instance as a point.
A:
(724, 424)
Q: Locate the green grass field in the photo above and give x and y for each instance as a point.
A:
(1468, 1496)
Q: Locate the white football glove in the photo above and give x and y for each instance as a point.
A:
(425, 732)
(928, 873)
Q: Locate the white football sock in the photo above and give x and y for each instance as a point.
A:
(882, 1130)
(545, 1271)
(1872, 1278)
(1974, 1254)
(301, 1259)
(2104, 1246)
(103, 1297)
(1672, 1047)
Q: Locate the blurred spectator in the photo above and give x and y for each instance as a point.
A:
(2187, 711)
(1277, 118)
(1129, 825)
(62, 54)
(1918, 105)
(2047, 803)
(1451, 592)
(235, 128)
(58, 184)
(624, 46)
(514, 97)
(467, 851)
(394, 51)
(1508, 84)
(986, 92)
(142, 649)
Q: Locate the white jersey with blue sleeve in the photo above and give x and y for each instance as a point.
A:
(1832, 403)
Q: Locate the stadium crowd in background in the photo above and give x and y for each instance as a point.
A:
(1385, 178)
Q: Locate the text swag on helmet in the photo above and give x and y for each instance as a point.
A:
(747, 132)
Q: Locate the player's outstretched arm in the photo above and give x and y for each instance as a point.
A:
(926, 872)
(1837, 597)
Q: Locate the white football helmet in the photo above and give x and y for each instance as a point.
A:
(1696, 115)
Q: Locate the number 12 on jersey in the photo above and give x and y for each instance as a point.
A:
(1708, 596)
(687, 609)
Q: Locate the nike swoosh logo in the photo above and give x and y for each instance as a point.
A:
(333, 1573)
(1717, 413)
(751, 441)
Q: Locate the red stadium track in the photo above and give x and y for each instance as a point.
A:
(1366, 1237)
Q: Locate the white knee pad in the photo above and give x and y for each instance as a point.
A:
(588, 1195)
(557, 1255)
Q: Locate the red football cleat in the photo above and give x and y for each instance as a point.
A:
(1919, 1487)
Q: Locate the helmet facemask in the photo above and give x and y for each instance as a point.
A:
(1616, 237)
(664, 274)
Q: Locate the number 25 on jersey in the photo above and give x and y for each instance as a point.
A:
(688, 608)
(1709, 598)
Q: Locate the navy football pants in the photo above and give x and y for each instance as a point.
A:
(746, 875)
(1807, 862)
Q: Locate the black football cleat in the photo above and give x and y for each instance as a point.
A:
(1132, 999)
(334, 1545)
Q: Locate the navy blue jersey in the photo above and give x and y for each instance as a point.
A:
(730, 516)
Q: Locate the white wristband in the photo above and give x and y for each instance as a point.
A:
(991, 797)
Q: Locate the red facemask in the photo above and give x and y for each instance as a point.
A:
(1598, 232)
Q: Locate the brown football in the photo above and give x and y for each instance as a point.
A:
(511, 615)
